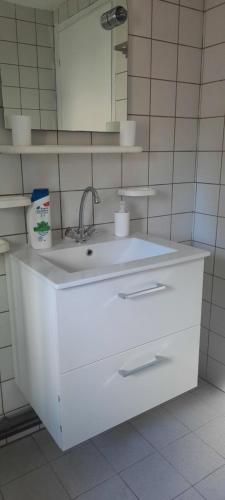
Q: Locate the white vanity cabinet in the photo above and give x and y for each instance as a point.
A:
(92, 356)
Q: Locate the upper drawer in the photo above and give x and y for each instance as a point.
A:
(95, 321)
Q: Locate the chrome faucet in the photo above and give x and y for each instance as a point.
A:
(82, 233)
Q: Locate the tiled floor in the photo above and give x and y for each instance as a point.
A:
(176, 451)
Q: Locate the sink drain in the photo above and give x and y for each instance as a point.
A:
(89, 252)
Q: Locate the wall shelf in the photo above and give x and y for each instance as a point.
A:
(14, 201)
(63, 149)
(137, 191)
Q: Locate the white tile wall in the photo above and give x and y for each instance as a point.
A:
(210, 199)
(164, 78)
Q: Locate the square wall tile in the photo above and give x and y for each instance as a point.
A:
(11, 97)
(220, 240)
(5, 335)
(26, 32)
(222, 202)
(165, 21)
(140, 17)
(189, 64)
(209, 166)
(70, 201)
(164, 60)
(217, 322)
(139, 66)
(7, 9)
(142, 130)
(75, 171)
(213, 68)
(191, 18)
(48, 120)
(137, 208)
(6, 363)
(104, 212)
(40, 170)
(28, 77)
(220, 263)
(27, 55)
(205, 229)
(45, 35)
(107, 171)
(48, 100)
(11, 222)
(187, 100)
(182, 225)
(184, 166)
(163, 97)
(160, 168)
(25, 13)
(212, 99)
(10, 167)
(186, 134)
(216, 349)
(30, 98)
(138, 96)
(10, 75)
(214, 26)
(44, 16)
(207, 199)
(160, 226)
(216, 374)
(12, 400)
(211, 134)
(161, 134)
(45, 57)
(193, 4)
(135, 169)
(8, 53)
(8, 29)
(207, 287)
(183, 198)
(3, 295)
(47, 79)
(161, 204)
(218, 296)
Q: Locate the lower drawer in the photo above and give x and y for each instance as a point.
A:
(101, 395)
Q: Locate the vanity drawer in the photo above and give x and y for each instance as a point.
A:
(101, 395)
(105, 318)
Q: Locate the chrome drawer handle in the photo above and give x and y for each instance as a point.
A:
(155, 361)
(158, 287)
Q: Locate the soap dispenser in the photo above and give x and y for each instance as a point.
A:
(121, 221)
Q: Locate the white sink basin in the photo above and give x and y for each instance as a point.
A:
(97, 255)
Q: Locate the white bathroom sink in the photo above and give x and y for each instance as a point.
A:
(97, 255)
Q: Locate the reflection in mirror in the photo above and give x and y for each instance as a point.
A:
(66, 69)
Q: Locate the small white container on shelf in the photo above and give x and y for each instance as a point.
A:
(127, 133)
(122, 221)
(21, 130)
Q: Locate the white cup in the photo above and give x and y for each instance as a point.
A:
(21, 130)
(127, 133)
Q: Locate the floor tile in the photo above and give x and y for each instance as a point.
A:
(159, 427)
(123, 446)
(19, 458)
(47, 445)
(192, 458)
(82, 469)
(212, 397)
(154, 478)
(213, 434)
(191, 410)
(191, 494)
(113, 489)
(213, 486)
(41, 484)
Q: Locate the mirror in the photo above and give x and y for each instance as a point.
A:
(66, 69)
